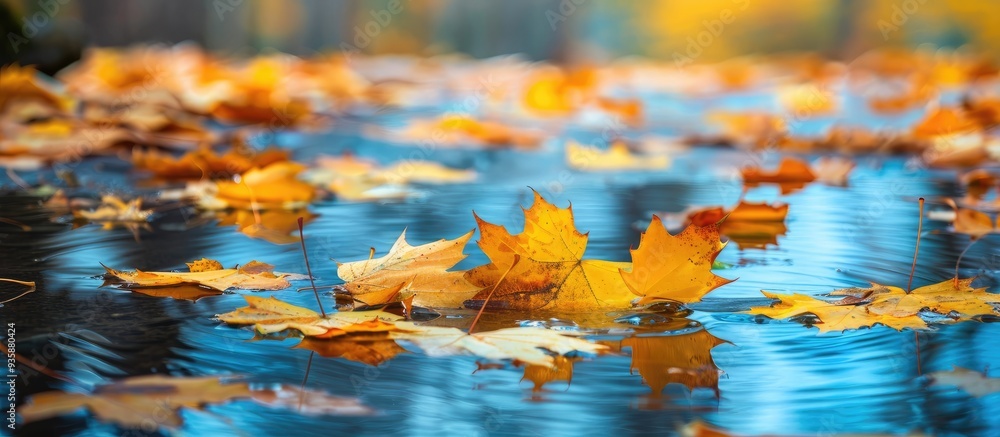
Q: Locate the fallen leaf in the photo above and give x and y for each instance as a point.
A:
(543, 267)
(254, 275)
(674, 267)
(420, 271)
(975, 224)
(113, 210)
(751, 129)
(465, 131)
(944, 121)
(550, 273)
(156, 400)
(25, 96)
(271, 315)
(205, 163)
(889, 306)
(807, 100)
(832, 170)
(977, 184)
(423, 172)
(616, 157)
(790, 171)
(528, 345)
(55, 140)
(970, 381)
(275, 186)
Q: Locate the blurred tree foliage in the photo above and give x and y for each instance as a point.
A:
(563, 30)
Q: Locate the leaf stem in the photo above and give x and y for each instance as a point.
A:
(302, 239)
(517, 258)
(916, 249)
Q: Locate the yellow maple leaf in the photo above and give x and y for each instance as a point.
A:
(675, 267)
(543, 267)
(550, 273)
(420, 271)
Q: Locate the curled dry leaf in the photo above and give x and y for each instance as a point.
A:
(254, 275)
(616, 157)
(271, 315)
(534, 346)
(418, 271)
(157, 399)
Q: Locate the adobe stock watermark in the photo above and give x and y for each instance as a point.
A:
(562, 12)
(697, 44)
(31, 25)
(900, 15)
(365, 33)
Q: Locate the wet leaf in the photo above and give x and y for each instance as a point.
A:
(251, 276)
(205, 162)
(616, 157)
(674, 267)
(792, 173)
(889, 306)
(114, 211)
(273, 187)
(271, 315)
(535, 346)
(543, 267)
(418, 271)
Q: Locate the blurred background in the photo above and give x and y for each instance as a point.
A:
(52, 33)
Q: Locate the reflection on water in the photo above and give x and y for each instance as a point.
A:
(777, 377)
